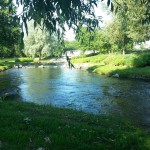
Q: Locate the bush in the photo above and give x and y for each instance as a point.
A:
(142, 60)
(129, 60)
(115, 60)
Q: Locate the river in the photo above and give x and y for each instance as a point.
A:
(79, 90)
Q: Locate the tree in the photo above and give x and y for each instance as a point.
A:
(96, 40)
(55, 14)
(39, 43)
(118, 37)
(10, 35)
(71, 45)
(127, 26)
(101, 41)
(135, 16)
(136, 13)
(85, 38)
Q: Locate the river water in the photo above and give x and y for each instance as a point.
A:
(80, 90)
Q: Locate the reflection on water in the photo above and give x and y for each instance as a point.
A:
(80, 90)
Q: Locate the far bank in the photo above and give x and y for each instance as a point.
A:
(135, 66)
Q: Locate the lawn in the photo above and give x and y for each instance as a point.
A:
(126, 66)
(25, 126)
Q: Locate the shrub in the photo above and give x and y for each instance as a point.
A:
(142, 60)
(129, 60)
(116, 60)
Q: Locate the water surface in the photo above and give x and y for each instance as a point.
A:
(80, 90)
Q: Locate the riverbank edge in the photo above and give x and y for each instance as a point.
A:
(27, 125)
(107, 70)
(30, 65)
(116, 71)
(22, 63)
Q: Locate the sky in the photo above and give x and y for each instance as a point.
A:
(99, 11)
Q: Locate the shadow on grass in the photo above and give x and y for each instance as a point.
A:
(92, 68)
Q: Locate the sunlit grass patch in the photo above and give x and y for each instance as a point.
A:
(6, 63)
(105, 70)
(92, 59)
(141, 73)
(24, 59)
(2, 68)
(122, 71)
(126, 66)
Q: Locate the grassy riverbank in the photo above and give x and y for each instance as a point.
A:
(126, 66)
(6, 63)
(29, 126)
(10, 62)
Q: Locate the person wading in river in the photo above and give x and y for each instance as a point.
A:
(69, 63)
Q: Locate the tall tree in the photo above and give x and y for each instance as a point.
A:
(96, 40)
(137, 14)
(39, 43)
(85, 38)
(128, 24)
(10, 36)
(134, 18)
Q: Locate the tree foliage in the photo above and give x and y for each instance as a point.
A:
(10, 35)
(126, 28)
(71, 45)
(96, 40)
(134, 17)
(39, 43)
(55, 14)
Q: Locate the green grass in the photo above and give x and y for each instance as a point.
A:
(105, 70)
(123, 71)
(140, 73)
(6, 63)
(61, 129)
(92, 59)
(3, 68)
(130, 60)
(127, 66)
(10, 62)
(24, 59)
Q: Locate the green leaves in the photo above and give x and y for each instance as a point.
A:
(40, 43)
(9, 29)
(54, 14)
